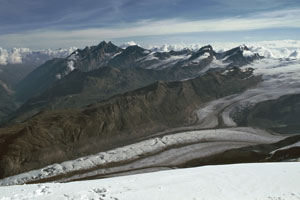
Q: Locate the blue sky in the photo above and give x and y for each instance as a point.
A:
(64, 23)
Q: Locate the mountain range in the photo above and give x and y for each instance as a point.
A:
(99, 72)
(104, 97)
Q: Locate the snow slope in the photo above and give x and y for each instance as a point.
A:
(264, 181)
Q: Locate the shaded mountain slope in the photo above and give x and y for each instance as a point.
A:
(12, 74)
(83, 88)
(7, 104)
(44, 76)
(55, 136)
(40, 79)
(281, 115)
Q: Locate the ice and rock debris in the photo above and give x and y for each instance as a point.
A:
(264, 181)
(245, 136)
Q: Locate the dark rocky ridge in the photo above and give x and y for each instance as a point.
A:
(280, 115)
(7, 103)
(95, 57)
(83, 88)
(235, 57)
(56, 136)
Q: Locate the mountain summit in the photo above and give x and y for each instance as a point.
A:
(239, 56)
(91, 58)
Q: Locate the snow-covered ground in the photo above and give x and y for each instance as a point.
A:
(164, 63)
(264, 181)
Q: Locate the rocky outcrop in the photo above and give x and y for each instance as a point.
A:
(280, 115)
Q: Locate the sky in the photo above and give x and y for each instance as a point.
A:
(64, 23)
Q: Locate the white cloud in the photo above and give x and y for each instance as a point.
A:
(3, 56)
(20, 55)
(174, 47)
(70, 65)
(274, 19)
(127, 44)
(13, 57)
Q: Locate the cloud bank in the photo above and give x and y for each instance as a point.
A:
(20, 55)
(284, 49)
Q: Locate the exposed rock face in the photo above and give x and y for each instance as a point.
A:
(238, 56)
(95, 57)
(281, 115)
(84, 88)
(40, 79)
(55, 136)
(129, 57)
(7, 104)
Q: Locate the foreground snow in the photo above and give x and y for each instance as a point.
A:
(264, 181)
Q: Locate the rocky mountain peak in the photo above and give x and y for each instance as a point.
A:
(203, 53)
(239, 56)
(136, 49)
(207, 48)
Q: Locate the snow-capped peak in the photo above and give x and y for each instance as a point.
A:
(207, 48)
(243, 47)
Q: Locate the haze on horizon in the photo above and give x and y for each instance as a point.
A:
(54, 24)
